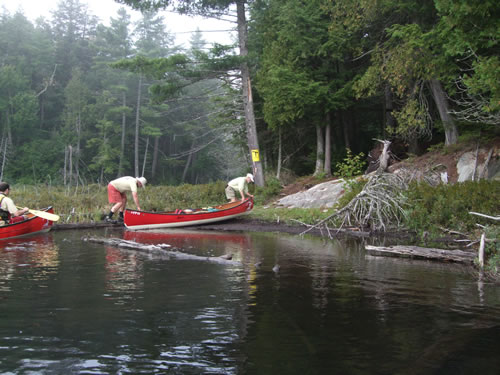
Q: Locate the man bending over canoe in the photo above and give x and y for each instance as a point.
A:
(9, 213)
(239, 184)
(117, 194)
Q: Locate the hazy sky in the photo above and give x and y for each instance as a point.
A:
(180, 26)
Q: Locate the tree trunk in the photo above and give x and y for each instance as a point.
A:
(328, 146)
(414, 146)
(278, 168)
(124, 128)
(320, 151)
(253, 141)
(70, 150)
(155, 157)
(145, 158)
(78, 141)
(450, 129)
(3, 148)
(390, 121)
(188, 162)
(384, 157)
(65, 165)
(194, 174)
(345, 129)
(137, 118)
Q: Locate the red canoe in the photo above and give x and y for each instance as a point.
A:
(34, 224)
(135, 220)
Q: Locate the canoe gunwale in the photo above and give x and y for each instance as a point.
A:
(173, 219)
(32, 225)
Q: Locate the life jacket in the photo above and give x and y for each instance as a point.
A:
(4, 215)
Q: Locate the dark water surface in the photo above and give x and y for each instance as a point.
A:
(69, 306)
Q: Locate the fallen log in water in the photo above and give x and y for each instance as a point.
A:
(459, 256)
(160, 249)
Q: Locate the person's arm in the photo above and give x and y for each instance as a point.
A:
(13, 209)
(242, 193)
(21, 211)
(136, 200)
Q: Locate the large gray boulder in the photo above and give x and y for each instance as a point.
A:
(324, 195)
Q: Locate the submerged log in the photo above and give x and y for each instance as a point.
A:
(459, 256)
(160, 249)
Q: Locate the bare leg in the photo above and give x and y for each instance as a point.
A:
(124, 203)
(116, 207)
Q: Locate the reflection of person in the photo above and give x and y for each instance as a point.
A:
(9, 213)
(239, 184)
(117, 196)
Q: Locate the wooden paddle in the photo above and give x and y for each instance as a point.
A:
(43, 214)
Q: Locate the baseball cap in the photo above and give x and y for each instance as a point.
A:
(251, 176)
(142, 180)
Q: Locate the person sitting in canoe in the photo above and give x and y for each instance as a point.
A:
(9, 213)
(239, 184)
(117, 196)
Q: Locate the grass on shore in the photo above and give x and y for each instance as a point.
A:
(429, 208)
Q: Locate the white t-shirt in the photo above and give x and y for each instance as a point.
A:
(124, 184)
(239, 184)
(8, 204)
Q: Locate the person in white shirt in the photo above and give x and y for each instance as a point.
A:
(239, 184)
(9, 212)
(117, 194)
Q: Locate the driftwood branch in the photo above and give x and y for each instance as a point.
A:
(486, 216)
(160, 249)
(383, 160)
(458, 256)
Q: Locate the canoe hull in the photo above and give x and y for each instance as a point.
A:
(33, 225)
(139, 220)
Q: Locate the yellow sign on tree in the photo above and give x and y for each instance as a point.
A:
(255, 155)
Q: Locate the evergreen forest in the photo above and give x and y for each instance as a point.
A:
(304, 84)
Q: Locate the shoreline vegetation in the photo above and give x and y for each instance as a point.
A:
(432, 214)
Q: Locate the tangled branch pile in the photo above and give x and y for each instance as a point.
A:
(378, 206)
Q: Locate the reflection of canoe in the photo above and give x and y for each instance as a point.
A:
(183, 237)
(180, 218)
(34, 224)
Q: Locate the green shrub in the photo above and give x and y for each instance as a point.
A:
(271, 189)
(352, 165)
(448, 206)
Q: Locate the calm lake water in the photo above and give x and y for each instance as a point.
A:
(74, 307)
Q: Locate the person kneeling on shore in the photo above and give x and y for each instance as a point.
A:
(9, 213)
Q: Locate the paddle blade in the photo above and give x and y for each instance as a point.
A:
(45, 215)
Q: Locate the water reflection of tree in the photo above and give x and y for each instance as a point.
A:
(123, 271)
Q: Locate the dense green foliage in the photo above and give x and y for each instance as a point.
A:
(73, 112)
(82, 102)
(447, 206)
